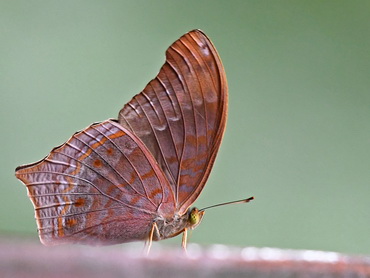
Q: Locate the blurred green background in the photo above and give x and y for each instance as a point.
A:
(298, 135)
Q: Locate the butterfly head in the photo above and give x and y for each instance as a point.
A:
(195, 217)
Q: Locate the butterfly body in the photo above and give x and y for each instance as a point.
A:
(167, 228)
(135, 178)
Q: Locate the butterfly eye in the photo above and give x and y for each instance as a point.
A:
(195, 217)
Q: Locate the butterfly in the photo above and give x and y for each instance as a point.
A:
(136, 177)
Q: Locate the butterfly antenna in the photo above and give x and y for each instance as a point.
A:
(229, 203)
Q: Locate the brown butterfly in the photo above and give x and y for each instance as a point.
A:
(136, 177)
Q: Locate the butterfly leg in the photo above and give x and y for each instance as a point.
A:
(184, 238)
(150, 238)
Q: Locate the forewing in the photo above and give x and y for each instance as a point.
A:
(181, 115)
(101, 187)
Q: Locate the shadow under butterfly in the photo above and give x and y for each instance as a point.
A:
(136, 177)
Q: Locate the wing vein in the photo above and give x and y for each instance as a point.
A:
(115, 170)
(169, 127)
(94, 186)
(139, 176)
(157, 141)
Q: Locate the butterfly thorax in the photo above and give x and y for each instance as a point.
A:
(170, 227)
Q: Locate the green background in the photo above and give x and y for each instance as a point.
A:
(298, 134)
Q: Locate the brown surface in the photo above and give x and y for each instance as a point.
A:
(21, 259)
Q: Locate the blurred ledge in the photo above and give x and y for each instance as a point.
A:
(20, 258)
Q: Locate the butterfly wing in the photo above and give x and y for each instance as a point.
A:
(101, 187)
(181, 115)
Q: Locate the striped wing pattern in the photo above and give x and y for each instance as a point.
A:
(109, 182)
(101, 180)
(181, 115)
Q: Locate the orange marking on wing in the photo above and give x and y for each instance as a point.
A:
(71, 222)
(79, 202)
(110, 151)
(90, 218)
(92, 147)
(155, 192)
(199, 168)
(132, 178)
(110, 190)
(191, 139)
(172, 159)
(148, 175)
(70, 185)
(186, 163)
(134, 200)
(98, 163)
(62, 213)
(60, 226)
(202, 140)
(101, 142)
(192, 161)
(117, 134)
(196, 140)
(121, 185)
(77, 170)
(97, 144)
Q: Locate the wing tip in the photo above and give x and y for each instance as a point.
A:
(195, 33)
